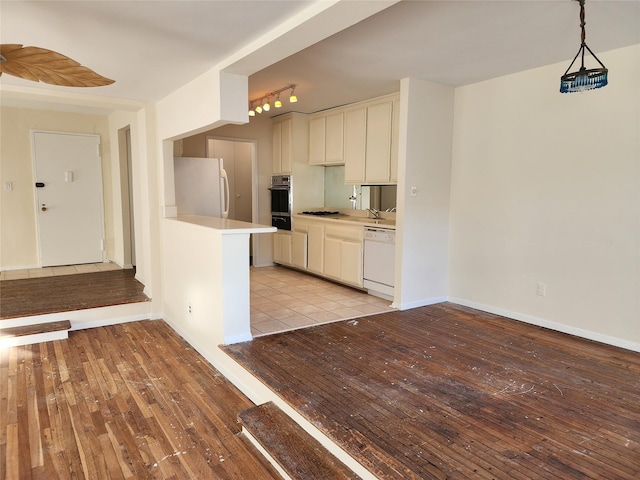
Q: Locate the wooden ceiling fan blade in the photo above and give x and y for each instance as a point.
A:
(42, 65)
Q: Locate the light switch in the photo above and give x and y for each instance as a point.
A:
(414, 191)
(68, 176)
(8, 185)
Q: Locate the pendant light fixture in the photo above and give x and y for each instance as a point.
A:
(583, 79)
(262, 103)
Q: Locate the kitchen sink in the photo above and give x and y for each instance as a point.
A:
(372, 221)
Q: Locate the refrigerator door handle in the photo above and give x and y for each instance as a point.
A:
(225, 196)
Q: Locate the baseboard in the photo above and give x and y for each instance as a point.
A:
(19, 267)
(90, 317)
(245, 337)
(419, 303)
(559, 327)
(34, 338)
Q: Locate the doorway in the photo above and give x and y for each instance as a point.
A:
(69, 203)
(126, 191)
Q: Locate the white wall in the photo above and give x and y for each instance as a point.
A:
(424, 152)
(546, 188)
(18, 238)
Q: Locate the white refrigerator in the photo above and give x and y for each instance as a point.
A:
(202, 186)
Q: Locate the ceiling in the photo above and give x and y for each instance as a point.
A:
(152, 47)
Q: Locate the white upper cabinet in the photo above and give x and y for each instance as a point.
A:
(326, 139)
(395, 134)
(334, 139)
(370, 142)
(377, 168)
(282, 146)
(355, 144)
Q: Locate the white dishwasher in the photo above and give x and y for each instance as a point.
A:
(379, 260)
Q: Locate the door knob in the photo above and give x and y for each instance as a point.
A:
(44, 208)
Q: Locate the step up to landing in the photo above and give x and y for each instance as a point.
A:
(295, 453)
(35, 333)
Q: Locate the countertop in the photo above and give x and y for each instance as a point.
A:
(342, 218)
(225, 226)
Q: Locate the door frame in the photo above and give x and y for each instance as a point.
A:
(32, 133)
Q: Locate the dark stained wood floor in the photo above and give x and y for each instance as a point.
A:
(449, 392)
(125, 401)
(36, 296)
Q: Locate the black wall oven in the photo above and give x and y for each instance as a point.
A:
(281, 201)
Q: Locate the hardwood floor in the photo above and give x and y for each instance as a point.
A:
(449, 392)
(36, 296)
(126, 401)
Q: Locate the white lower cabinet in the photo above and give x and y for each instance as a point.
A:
(299, 249)
(332, 247)
(343, 254)
(329, 250)
(351, 262)
(315, 245)
(282, 248)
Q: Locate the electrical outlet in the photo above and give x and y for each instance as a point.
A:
(541, 289)
(190, 309)
(414, 191)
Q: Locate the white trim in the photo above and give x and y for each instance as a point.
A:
(243, 337)
(89, 318)
(33, 338)
(169, 211)
(265, 454)
(419, 303)
(25, 267)
(540, 322)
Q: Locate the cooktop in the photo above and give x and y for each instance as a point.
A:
(320, 213)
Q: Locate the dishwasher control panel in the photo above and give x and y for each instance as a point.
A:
(384, 235)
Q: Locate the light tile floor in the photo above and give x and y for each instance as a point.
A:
(54, 271)
(284, 299)
(281, 298)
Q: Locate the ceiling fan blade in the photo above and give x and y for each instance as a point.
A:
(42, 65)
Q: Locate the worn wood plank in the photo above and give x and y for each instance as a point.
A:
(450, 392)
(299, 454)
(38, 296)
(125, 401)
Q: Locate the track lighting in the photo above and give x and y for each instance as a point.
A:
(262, 103)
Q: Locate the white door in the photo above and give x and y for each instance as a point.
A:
(237, 159)
(68, 175)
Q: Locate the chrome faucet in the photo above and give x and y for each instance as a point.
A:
(374, 212)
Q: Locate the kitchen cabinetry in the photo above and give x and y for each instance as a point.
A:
(395, 137)
(299, 249)
(371, 155)
(282, 145)
(326, 139)
(343, 254)
(282, 247)
(290, 136)
(315, 246)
